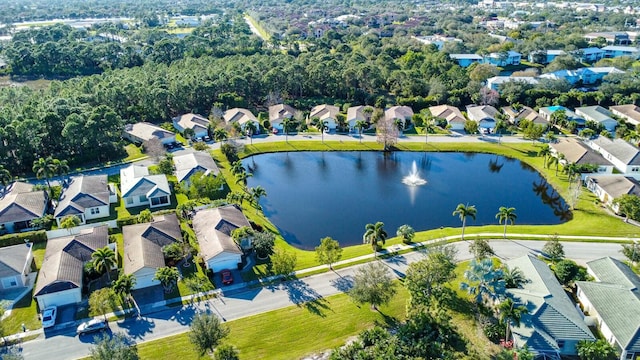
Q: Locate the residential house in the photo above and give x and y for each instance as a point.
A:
(613, 51)
(198, 123)
(403, 113)
(611, 37)
(630, 113)
(138, 188)
(16, 263)
(437, 40)
(503, 59)
(546, 113)
(574, 151)
(241, 117)
(452, 114)
(279, 112)
(613, 301)
(86, 197)
(599, 115)
(465, 60)
(589, 55)
(624, 156)
(60, 277)
(19, 205)
(571, 76)
(143, 247)
(609, 187)
(358, 113)
(325, 113)
(213, 229)
(495, 82)
(553, 326)
(188, 164)
(484, 115)
(144, 131)
(525, 113)
(545, 56)
(592, 75)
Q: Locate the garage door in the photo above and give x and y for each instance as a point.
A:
(227, 262)
(145, 281)
(59, 298)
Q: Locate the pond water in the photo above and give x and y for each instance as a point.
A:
(311, 195)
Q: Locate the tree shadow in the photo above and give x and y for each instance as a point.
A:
(138, 328)
(387, 321)
(302, 294)
(343, 283)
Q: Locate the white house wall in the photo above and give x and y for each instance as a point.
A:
(103, 211)
(224, 260)
(65, 297)
(145, 278)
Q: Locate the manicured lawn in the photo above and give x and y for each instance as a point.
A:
(25, 312)
(288, 333)
(134, 152)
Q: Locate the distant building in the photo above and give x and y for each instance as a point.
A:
(611, 37)
(484, 115)
(545, 56)
(144, 131)
(198, 123)
(437, 40)
(613, 51)
(546, 112)
(465, 60)
(504, 59)
(494, 83)
(452, 114)
(590, 55)
(609, 187)
(599, 115)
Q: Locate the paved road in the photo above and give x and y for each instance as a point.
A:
(245, 302)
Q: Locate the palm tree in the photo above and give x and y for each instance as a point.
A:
(545, 151)
(552, 160)
(510, 313)
(322, 127)
(513, 278)
(483, 280)
(463, 211)
(571, 169)
(374, 234)
(44, 168)
(61, 167)
(406, 232)
(257, 192)
(123, 286)
(506, 215)
(251, 128)
(220, 135)
(5, 178)
(168, 277)
(103, 260)
(242, 178)
(286, 122)
(360, 125)
(428, 126)
(237, 168)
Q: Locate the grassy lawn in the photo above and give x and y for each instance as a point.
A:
(588, 217)
(277, 334)
(134, 152)
(24, 312)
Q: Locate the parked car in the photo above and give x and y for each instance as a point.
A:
(226, 277)
(92, 325)
(49, 317)
(207, 139)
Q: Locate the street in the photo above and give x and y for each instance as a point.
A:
(246, 302)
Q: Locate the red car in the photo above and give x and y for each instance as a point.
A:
(226, 277)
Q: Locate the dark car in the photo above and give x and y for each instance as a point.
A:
(226, 277)
(92, 325)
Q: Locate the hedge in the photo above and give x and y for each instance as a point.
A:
(39, 236)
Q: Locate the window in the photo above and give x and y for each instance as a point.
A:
(635, 169)
(9, 282)
(561, 344)
(129, 200)
(143, 198)
(95, 211)
(159, 200)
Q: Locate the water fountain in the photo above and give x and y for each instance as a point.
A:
(414, 179)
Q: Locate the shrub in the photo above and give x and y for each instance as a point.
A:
(20, 238)
(127, 221)
(229, 152)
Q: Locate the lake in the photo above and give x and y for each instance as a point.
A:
(311, 195)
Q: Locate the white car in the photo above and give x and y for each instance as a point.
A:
(92, 325)
(49, 317)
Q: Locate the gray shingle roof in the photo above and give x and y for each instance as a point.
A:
(398, 112)
(19, 202)
(281, 111)
(616, 185)
(450, 113)
(596, 113)
(616, 299)
(213, 229)
(238, 115)
(143, 243)
(619, 149)
(12, 259)
(324, 111)
(83, 192)
(188, 164)
(135, 180)
(64, 259)
(193, 121)
(576, 152)
(481, 112)
(146, 131)
(552, 315)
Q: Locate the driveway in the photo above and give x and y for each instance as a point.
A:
(148, 295)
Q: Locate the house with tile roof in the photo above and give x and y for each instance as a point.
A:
(553, 325)
(574, 151)
(86, 197)
(16, 263)
(624, 156)
(630, 113)
(599, 115)
(451, 114)
(546, 113)
(144, 131)
(524, 113)
(60, 279)
(242, 117)
(213, 229)
(484, 115)
(325, 113)
(19, 205)
(357, 113)
(198, 123)
(402, 113)
(143, 247)
(613, 301)
(188, 164)
(279, 112)
(139, 188)
(609, 187)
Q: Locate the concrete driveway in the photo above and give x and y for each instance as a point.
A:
(148, 295)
